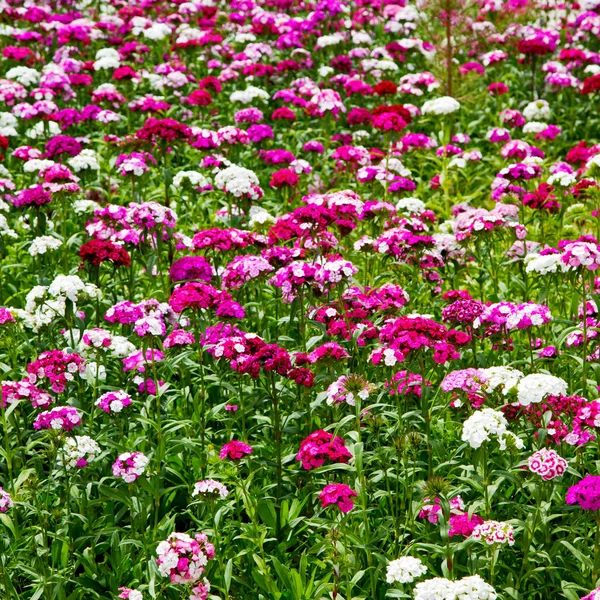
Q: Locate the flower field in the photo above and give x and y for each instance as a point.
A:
(298, 300)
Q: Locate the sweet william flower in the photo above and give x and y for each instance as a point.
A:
(547, 463)
(494, 532)
(235, 450)
(586, 493)
(130, 594)
(338, 494)
(6, 501)
(405, 570)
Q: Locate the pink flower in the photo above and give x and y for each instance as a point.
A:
(338, 494)
(320, 446)
(235, 450)
(547, 463)
(586, 493)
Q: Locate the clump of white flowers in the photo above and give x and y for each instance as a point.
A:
(43, 244)
(410, 205)
(535, 387)
(438, 588)
(194, 178)
(467, 588)
(474, 588)
(238, 181)
(86, 159)
(543, 264)
(405, 570)
(43, 304)
(107, 58)
(24, 75)
(249, 95)
(505, 378)
(486, 424)
(444, 105)
(259, 216)
(538, 110)
(78, 452)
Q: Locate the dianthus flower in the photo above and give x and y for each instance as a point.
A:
(62, 144)
(32, 196)
(547, 463)
(13, 391)
(163, 130)
(202, 296)
(321, 446)
(235, 450)
(130, 465)
(209, 489)
(494, 532)
(485, 424)
(62, 418)
(113, 402)
(77, 452)
(463, 524)
(178, 337)
(96, 252)
(6, 501)
(182, 558)
(586, 493)
(190, 268)
(404, 570)
(57, 366)
(338, 494)
(243, 269)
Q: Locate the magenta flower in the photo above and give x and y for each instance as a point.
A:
(338, 494)
(235, 450)
(586, 493)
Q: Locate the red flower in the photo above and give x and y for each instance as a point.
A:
(96, 252)
(384, 88)
(199, 98)
(284, 177)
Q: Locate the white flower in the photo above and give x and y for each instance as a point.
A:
(539, 110)
(94, 372)
(39, 130)
(237, 181)
(194, 178)
(474, 588)
(158, 31)
(562, 179)
(43, 244)
(435, 589)
(549, 263)
(505, 377)
(534, 127)
(86, 159)
(23, 75)
(250, 94)
(329, 40)
(535, 387)
(467, 588)
(35, 165)
(85, 206)
(485, 424)
(78, 451)
(405, 570)
(440, 106)
(259, 216)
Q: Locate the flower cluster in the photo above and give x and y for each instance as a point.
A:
(321, 446)
(130, 465)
